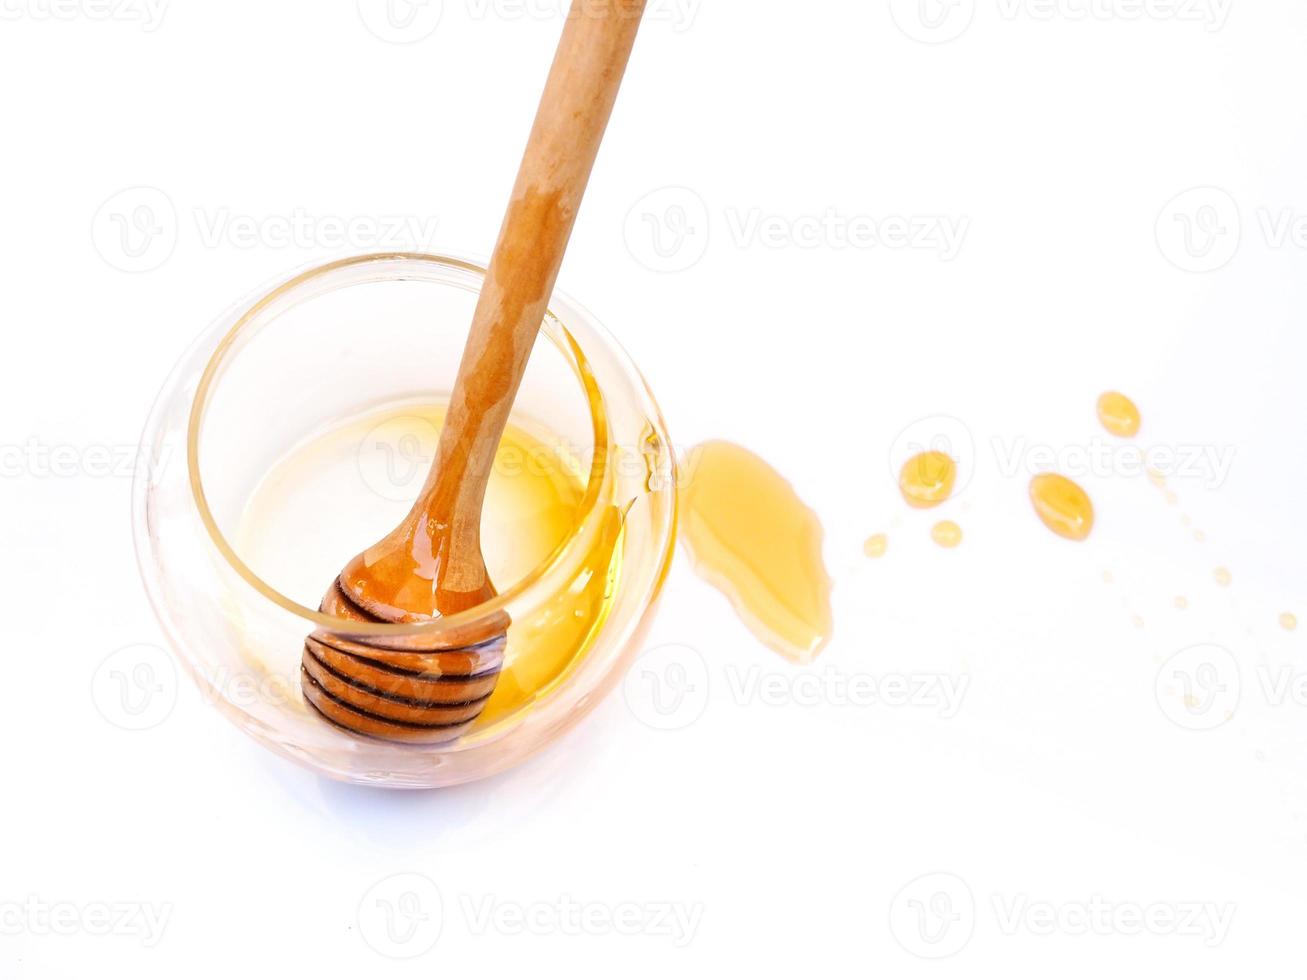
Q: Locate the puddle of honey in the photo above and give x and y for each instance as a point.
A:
(1289, 621)
(750, 536)
(1119, 415)
(946, 534)
(876, 546)
(927, 479)
(532, 506)
(1063, 506)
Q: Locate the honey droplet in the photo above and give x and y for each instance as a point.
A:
(1289, 621)
(1223, 577)
(1062, 505)
(946, 534)
(1119, 415)
(927, 479)
(1181, 602)
(876, 546)
(749, 535)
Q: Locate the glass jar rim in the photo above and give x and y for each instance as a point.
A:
(590, 502)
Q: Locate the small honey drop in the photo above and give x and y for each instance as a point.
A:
(749, 535)
(1063, 506)
(1223, 577)
(876, 546)
(946, 534)
(1181, 602)
(1289, 621)
(927, 479)
(1119, 415)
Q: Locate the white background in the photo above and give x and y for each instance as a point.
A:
(791, 828)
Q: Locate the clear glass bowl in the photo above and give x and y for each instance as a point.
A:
(334, 343)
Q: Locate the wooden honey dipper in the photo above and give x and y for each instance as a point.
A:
(429, 689)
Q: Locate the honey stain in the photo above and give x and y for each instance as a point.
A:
(1223, 577)
(876, 546)
(927, 479)
(1289, 621)
(1063, 506)
(1119, 415)
(946, 534)
(749, 535)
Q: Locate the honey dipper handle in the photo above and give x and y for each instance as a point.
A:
(574, 111)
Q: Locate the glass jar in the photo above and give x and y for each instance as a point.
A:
(290, 366)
